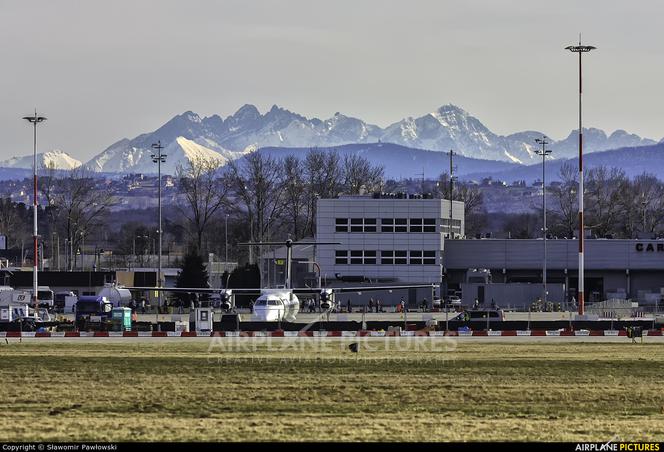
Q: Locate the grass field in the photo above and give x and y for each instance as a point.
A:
(180, 390)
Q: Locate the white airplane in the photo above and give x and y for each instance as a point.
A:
(282, 304)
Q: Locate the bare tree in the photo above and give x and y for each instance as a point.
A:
(471, 196)
(81, 202)
(603, 192)
(257, 182)
(294, 194)
(323, 176)
(642, 205)
(359, 173)
(204, 194)
(564, 220)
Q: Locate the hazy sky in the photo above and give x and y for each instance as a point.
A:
(105, 70)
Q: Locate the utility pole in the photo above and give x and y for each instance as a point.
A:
(644, 204)
(581, 49)
(451, 192)
(158, 158)
(544, 152)
(34, 120)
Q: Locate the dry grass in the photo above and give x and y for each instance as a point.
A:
(478, 391)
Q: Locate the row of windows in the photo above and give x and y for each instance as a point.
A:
(385, 257)
(386, 225)
(445, 223)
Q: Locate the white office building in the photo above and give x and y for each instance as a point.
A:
(386, 239)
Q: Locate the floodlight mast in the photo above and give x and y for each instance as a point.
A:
(159, 158)
(581, 49)
(34, 120)
(544, 152)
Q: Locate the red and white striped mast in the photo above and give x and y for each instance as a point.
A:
(34, 120)
(580, 49)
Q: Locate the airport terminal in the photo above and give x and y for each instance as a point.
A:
(408, 239)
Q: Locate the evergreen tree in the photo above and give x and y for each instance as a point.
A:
(193, 273)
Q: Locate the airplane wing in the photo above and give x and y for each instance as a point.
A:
(193, 289)
(302, 290)
(363, 288)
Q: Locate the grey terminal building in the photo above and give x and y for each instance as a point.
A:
(413, 240)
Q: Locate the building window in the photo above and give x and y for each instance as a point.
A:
(360, 257)
(401, 225)
(415, 225)
(387, 225)
(400, 257)
(341, 257)
(418, 257)
(429, 225)
(356, 224)
(389, 257)
(341, 225)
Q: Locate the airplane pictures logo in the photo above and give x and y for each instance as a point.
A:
(617, 447)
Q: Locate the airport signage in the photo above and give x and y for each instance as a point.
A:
(649, 247)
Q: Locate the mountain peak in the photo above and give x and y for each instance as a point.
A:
(247, 111)
(189, 116)
(452, 109)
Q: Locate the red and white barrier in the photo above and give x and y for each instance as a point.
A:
(322, 333)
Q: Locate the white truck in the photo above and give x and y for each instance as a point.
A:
(45, 296)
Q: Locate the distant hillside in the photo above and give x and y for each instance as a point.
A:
(633, 160)
(403, 162)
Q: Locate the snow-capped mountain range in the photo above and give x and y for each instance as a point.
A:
(449, 127)
(55, 159)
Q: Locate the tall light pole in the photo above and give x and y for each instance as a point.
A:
(159, 158)
(544, 152)
(34, 120)
(580, 49)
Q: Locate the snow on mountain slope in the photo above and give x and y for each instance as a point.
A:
(123, 157)
(55, 159)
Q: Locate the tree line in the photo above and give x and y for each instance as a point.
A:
(260, 198)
